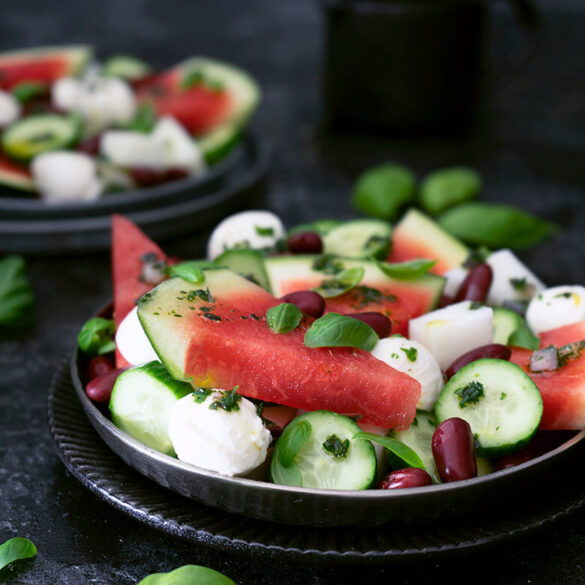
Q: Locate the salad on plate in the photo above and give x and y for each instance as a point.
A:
(75, 129)
(343, 355)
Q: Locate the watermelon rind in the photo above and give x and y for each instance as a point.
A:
(13, 176)
(77, 56)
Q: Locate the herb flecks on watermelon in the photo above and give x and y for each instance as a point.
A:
(227, 342)
(562, 390)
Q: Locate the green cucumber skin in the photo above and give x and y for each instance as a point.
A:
(345, 427)
(365, 228)
(321, 226)
(248, 263)
(506, 322)
(447, 407)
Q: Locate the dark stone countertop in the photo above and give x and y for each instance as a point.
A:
(529, 147)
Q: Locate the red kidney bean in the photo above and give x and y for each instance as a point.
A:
(307, 301)
(378, 322)
(90, 145)
(99, 365)
(493, 350)
(100, 389)
(454, 450)
(174, 175)
(406, 478)
(476, 285)
(144, 177)
(445, 301)
(305, 243)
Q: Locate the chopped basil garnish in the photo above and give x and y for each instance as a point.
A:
(477, 256)
(396, 447)
(188, 271)
(188, 575)
(475, 305)
(264, 231)
(204, 295)
(411, 353)
(328, 264)
(341, 283)
(200, 395)
(16, 549)
(97, 336)
(291, 442)
(334, 330)
(228, 401)
(410, 269)
(17, 300)
(518, 283)
(336, 447)
(283, 318)
(470, 394)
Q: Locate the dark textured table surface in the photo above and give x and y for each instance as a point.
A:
(529, 146)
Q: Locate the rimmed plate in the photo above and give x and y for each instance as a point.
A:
(320, 507)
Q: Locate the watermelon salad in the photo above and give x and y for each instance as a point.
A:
(338, 354)
(75, 129)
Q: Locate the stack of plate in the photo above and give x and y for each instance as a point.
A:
(165, 211)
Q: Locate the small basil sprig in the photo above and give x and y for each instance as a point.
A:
(409, 269)
(97, 336)
(495, 226)
(335, 330)
(191, 271)
(16, 549)
(402, 451)
(16, 296)
(343, 282)
(383, 190)
(448, 187)
(188, 575)
(283, 318)
(523, 337)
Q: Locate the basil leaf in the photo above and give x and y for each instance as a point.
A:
(448, 187)
(523, 337)
(189, 271)
(495, 226)
(97, 336)
(16, 549)
(16, 296)
(404, 452)
(188, 575)
(335, 330)
(28, 90)
(409, 269)
(341, 283)
(383, 190)
(283, 318)
(292, 441)
(144, 118)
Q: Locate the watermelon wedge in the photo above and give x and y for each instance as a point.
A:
(418, 236)
(42, 65)
(563, 391)
(15, 175)
(215, 334)
(129, 244)
(399, 300)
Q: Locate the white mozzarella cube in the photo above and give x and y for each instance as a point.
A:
(248, 229)
(180, 151)
(512, 280)
(556, 307)
(454, 279)
(132, 342)
(450, 332)
(10, 109)
(413, 359)
(132, 149)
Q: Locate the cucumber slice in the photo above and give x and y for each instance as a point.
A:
(499, 401)
(418, 437)
(321, 226)
(125, 67)
(141, 401)
(362, 238)
(506, 322)
(248, 263)
(33, 135)
(317, 450)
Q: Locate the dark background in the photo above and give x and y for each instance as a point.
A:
(529, 146)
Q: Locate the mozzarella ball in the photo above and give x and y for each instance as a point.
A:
(66, 93)
(10, 109)
(556, 307)
(63, 176)
(413, 359)
(248, 229)
(231, 443)
(132, 342)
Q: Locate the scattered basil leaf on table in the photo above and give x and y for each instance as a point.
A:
(27, 91)
(341, 283)
(188, 575)
(408, 269)
(404, 452)
(191, 271)
(382, 190)
(97, 336)
(448, 187)
(523, 337)
(16, 549)
(283, 318)
(16, 295)
(291, 442)
(335, 330)
(496, 226)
